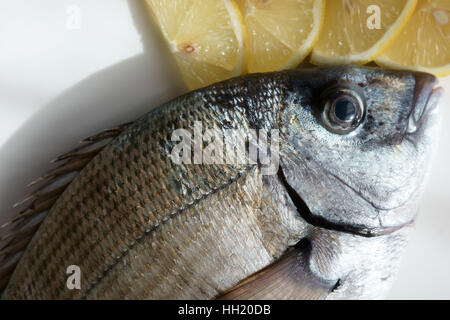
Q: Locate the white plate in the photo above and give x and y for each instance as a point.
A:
(70, 68)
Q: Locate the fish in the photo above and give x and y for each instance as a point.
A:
(151, 210)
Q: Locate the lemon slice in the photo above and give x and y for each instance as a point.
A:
(424, 44)
(281, 33)
(205, 37)
(357, 31)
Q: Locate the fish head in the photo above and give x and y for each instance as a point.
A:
(357, 143)
(355, 152)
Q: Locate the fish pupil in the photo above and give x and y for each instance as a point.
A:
(344, 110)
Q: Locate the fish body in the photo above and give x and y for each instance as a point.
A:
(330, 222)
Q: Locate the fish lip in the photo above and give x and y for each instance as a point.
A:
(426, 98)
(321, 222)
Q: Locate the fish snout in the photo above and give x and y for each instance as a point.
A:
(426, 99)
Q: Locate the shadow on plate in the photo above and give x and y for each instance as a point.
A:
(115, 95)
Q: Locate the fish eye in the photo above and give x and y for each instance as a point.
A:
(343, 109)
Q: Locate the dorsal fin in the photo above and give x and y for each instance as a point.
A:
(31, 211)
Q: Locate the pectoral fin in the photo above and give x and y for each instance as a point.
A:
(287, 278)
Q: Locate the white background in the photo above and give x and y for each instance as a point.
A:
(60, 83)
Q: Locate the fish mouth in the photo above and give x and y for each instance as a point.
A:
(317, 221)
(426, 99)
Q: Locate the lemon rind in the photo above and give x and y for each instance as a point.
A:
(377, 49)
(440, 72)
(239, 31)
(302, 52)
